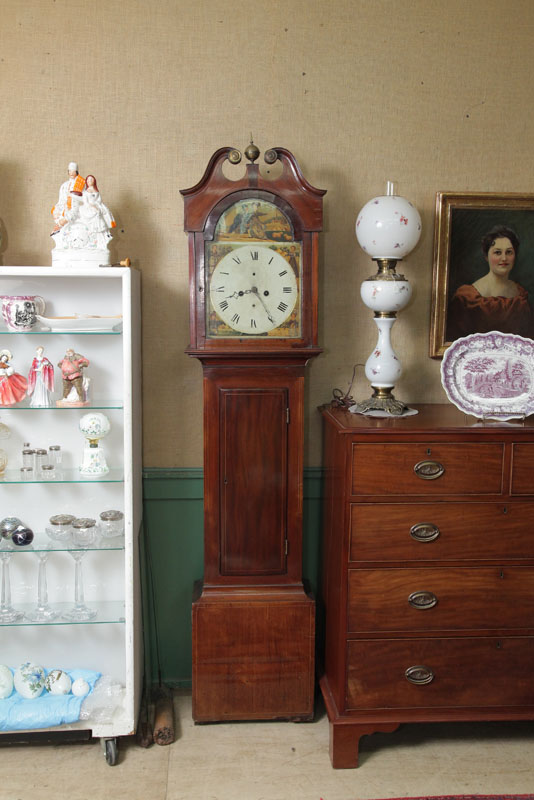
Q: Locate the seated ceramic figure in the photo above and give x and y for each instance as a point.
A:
(95, 214)
(83, 224)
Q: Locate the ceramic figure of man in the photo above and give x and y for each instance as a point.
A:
(73, 186)
(71, 371)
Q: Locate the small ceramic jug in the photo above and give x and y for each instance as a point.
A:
(19, 310)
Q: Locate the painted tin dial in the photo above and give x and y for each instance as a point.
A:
(253, 289)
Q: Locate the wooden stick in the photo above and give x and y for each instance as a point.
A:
(164, 718)
(145, 736)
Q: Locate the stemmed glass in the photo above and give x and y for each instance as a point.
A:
(83, 534)
(43, 611)
(79, 611)
(7, 612)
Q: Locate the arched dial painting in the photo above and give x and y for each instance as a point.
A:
(253, 273)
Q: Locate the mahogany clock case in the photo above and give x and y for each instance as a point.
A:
(253, 621)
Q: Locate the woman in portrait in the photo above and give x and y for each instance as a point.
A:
(494, 302)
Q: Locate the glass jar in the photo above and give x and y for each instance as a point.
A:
(26, 473)
(28, 457)
(41, 458)
(84, 531)
(3, 462)
(60, 527)
(55, 455)
(111, 523)
(48, 472)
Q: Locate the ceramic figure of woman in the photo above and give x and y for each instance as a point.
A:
(41, 380)
(494, 302)
(12, 385)
(96, 216)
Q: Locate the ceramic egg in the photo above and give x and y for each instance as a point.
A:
(29, 680)
(22, 537)
(6, 681)
(80, 687)
(58, 682)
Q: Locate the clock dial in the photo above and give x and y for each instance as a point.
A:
(253, 290)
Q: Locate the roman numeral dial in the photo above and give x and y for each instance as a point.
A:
(254, 291)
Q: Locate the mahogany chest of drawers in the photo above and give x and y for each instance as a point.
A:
(428, 582)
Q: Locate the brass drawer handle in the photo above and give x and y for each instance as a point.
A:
(429, 470)
(419, 675)
(422, 600)
(424, 532)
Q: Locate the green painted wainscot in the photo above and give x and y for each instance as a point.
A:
(172, 559)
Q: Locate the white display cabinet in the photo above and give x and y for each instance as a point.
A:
(111, 642)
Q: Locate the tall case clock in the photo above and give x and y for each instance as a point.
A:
(253, 254)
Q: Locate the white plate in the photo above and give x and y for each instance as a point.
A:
(490, 375)
(81, 323)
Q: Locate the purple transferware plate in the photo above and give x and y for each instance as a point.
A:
(490, 375)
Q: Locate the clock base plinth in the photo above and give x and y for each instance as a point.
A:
(253, 654)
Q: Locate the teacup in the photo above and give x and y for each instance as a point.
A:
(19, 310)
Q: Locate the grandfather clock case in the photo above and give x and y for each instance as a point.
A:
(253, 252)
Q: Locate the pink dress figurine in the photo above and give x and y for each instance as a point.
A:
(41, 380)
(12, 385)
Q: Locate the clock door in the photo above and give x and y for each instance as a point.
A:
(253, 475)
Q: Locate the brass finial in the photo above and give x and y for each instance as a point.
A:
(252, 152)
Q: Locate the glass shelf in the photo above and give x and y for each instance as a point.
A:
(42, 543)
(115, 475)
(41, 332)
(111, 612)
(25, 406)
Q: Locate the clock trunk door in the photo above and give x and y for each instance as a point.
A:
(253, 490)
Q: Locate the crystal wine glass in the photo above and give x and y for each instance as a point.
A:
(79, 611)
(7, 612)
(43, 611)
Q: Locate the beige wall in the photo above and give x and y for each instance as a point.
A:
(432, 95)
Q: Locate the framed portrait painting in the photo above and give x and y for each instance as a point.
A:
(483, 277)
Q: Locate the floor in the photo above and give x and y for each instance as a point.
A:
(276, 761)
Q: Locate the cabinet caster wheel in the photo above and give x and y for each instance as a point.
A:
(111, 751)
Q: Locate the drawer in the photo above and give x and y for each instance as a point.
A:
(427, 468)
(483, 672)
(481, 598)
(434, 531)
(522, 469)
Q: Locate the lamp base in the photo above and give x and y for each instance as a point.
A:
(382, 399)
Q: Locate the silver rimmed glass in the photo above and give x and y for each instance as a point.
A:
(83, 534)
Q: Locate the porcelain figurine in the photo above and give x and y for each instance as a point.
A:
(12, 385)
(95, 214)
(83, 224)
(75, 384)
(41, 380)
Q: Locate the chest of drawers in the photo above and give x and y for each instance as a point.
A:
(428, 572)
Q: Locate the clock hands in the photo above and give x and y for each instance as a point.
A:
(256, 293)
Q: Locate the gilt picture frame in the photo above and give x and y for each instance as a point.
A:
(462, 221)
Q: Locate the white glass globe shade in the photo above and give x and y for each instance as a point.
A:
(388, 226)
(389, 296)
(95, 425)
